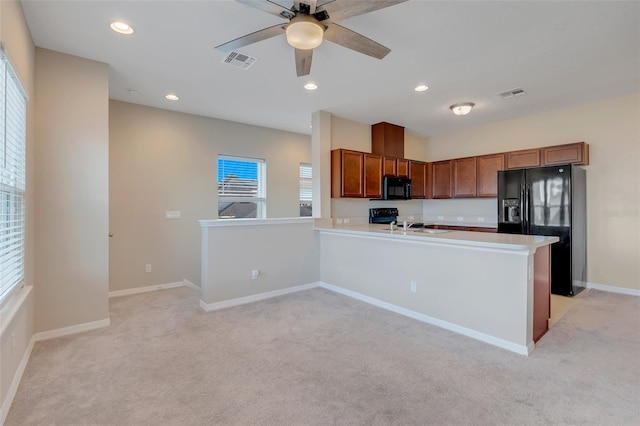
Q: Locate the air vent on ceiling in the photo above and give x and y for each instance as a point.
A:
(512, 93)
(239, 60)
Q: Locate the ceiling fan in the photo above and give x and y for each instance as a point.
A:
(311, 21)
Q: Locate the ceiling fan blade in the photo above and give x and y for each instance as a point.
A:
(343, 9)
(269, 7)
(355, 41)
(308, 6)
(251, 38)
(303, 61)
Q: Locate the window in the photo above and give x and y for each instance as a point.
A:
(12, 179)
(305, 189)
(241, 188)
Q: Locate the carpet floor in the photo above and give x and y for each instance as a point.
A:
(320, 358)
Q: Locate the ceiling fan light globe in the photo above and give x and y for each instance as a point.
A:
(304, 32)
(462, 108)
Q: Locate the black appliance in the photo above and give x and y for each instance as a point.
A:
(396, 188)
(384, 215)
(549, 201)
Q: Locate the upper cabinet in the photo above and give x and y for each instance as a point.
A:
(464, 177)
(488, 167)
(395, 167)
(355, 174)
(441, 172)
(524, 158)
(418, 175)
(347, 173)
(575, 153)
(372, 175)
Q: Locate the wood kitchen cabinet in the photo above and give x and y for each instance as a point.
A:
(355, 174)
(488, 167)
(524, 158)
(395, 167)
(418, 175)
(387, 139)
(372, 175)
(441, 174)
(347, 173)
(464, 177)
(575, 153)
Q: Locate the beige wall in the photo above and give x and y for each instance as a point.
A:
(612, 129)
(162, 160)
(16, 38)
(72, 176)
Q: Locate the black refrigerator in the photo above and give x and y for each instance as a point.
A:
(549, 201)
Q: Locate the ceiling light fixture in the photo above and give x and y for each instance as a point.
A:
(304, 32)
(171, 97)
(121, 27)
(421, 88)
(311, 86)
(462, 108)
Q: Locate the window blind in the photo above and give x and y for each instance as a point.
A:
(305, 183)
(240, 177)
(12, 179)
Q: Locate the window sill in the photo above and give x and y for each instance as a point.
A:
(13, 306)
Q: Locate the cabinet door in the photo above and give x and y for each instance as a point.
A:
(402, 168)
(576, 153)
(524, 158)
(372, 176)
(347, 173)
(418, 175)
(464, 177)
(389, 166)
(487, 175)
(441, 176)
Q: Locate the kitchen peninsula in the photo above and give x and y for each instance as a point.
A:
(492, 287)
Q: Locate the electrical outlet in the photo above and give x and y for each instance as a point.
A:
(172, 214)
(147, 267)
(413, 286)
(412, 217)
(339, 221)
(255, 274)
(460, 218)
(346, 221)
(440, 217)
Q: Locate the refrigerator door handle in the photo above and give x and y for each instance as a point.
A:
(523, 210)
(526, 201)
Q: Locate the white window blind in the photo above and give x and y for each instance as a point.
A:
(12, 179)
(306, 189)
(241, 187)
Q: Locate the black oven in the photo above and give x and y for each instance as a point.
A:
(396, 188)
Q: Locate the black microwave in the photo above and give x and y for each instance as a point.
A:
(396, 188)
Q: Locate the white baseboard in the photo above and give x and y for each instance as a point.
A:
(138, 290)
(15, 383)
(614, 289)
(44, 335)
(501, 343)
(65, 331)
(210, 307)
(188, 283)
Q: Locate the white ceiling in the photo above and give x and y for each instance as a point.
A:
(562, 53)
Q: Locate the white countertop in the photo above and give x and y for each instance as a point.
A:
(487, 240)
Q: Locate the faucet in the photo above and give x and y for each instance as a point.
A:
(392, 224)
(406, 226)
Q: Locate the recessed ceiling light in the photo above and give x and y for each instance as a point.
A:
(171, 97)
(421, 88)
(311, 86)
(122, 27)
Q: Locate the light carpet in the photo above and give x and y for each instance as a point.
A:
(320, 358)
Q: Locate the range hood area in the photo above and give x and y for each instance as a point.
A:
(387, 140)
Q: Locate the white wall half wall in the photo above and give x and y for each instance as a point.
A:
(285, 252)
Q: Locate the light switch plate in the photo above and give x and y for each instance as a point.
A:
(172, 214)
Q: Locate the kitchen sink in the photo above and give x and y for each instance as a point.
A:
(430, 231)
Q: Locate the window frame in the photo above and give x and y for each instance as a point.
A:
(306, 186)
